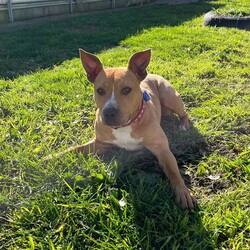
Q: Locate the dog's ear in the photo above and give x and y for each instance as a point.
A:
(91, 64)
(139, 62)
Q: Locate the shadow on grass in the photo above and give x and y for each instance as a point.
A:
(45, 45)
(161, 223)
(90, 208)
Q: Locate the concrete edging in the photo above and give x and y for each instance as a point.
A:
(210, 19)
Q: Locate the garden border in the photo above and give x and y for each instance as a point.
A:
(211, 19)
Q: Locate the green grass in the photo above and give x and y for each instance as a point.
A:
(46, 105)
(233, 7)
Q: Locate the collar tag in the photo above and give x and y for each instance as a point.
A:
(146, 96)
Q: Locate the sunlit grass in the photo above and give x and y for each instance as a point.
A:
(46, 105)
(238, 8)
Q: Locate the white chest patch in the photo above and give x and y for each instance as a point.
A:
(123, 139)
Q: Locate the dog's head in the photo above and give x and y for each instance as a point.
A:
(117, 90)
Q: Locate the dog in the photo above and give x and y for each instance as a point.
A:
(130, 103)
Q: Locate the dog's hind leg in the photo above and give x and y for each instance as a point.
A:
(171, 102)
(92, 147)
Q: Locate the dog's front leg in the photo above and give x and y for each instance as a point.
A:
(160, 148)
(92, 147)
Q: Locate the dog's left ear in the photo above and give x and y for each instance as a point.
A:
(91, 64)
(139, 62)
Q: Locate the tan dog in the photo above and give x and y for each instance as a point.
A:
(130, 104)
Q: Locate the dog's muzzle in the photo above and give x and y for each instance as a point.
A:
(111, 116)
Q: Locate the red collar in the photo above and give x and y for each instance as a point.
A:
(136, 118)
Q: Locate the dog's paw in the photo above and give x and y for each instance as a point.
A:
(185, 198)
(184, 128)
(184, 123)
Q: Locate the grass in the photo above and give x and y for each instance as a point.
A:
(238, 8)
(46, 105)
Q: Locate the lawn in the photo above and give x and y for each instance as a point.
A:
(239, 8)
(46, 105)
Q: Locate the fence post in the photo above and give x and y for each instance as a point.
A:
(71, 6)
(11, 17)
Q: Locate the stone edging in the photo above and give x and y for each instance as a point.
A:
(210, 19)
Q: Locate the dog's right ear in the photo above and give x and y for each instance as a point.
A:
(91, 64)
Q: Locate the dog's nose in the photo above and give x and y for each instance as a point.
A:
(110, 113)
(110, 116)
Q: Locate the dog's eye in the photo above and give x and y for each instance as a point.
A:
(100, 91)
(126, 90)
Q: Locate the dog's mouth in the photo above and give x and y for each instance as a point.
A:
(116, 122)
